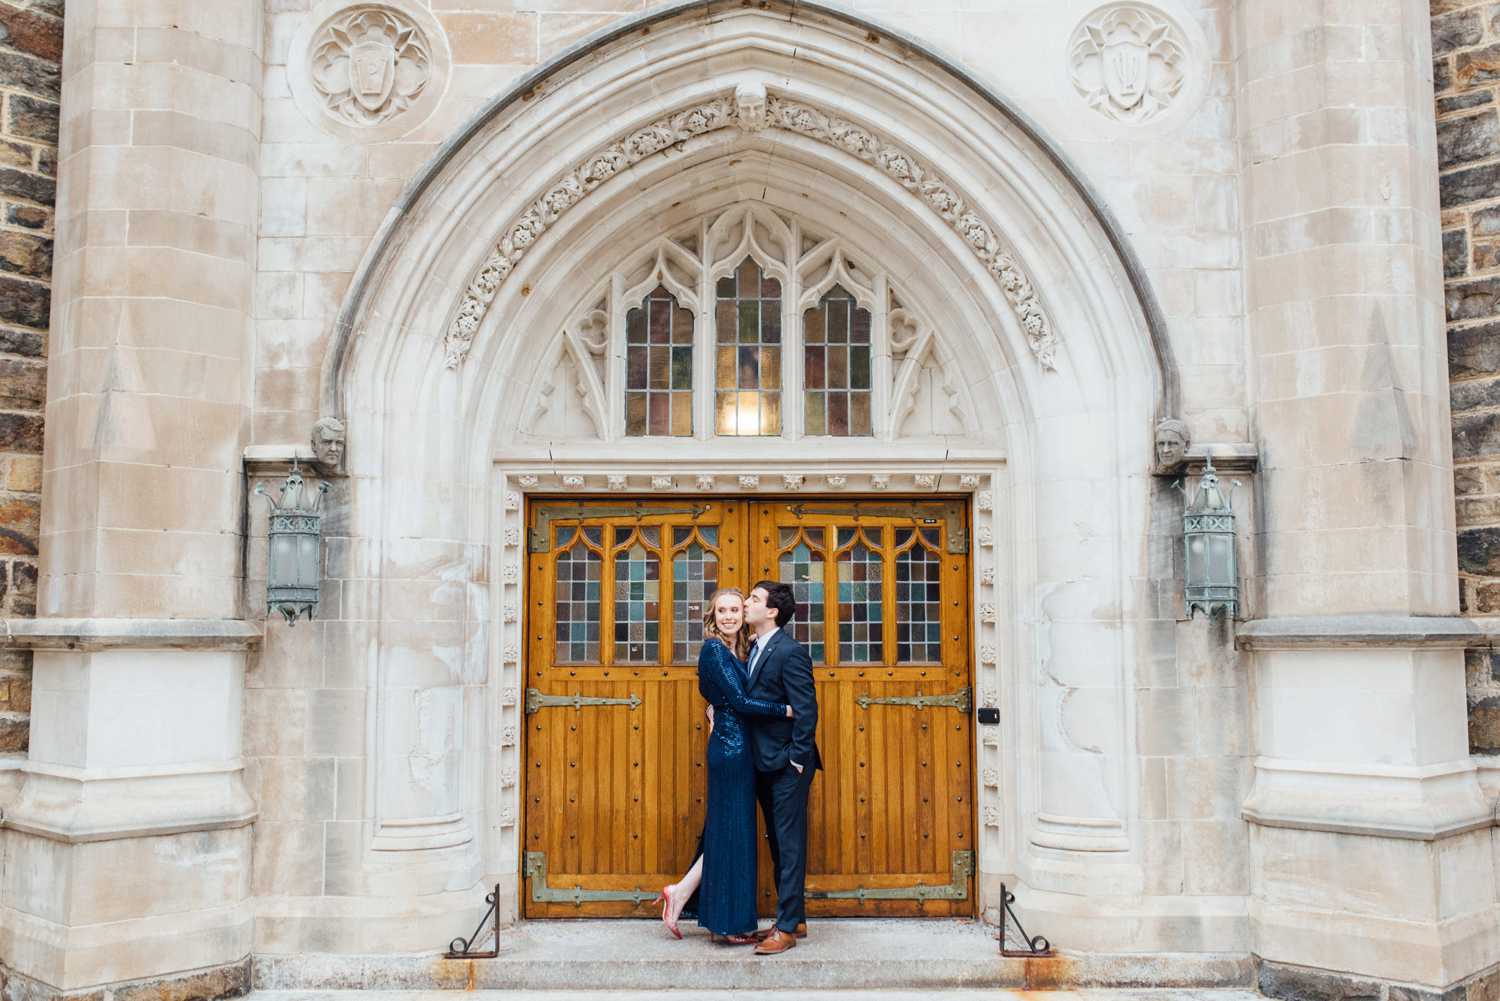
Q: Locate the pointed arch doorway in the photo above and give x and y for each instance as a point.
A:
(615, 777)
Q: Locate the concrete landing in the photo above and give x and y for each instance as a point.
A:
(954, 995)
(847, 955)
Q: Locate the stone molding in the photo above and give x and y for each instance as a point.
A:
(209, 984)
(139, 634)
(75, 806)
(1321, 632)
(896, 162)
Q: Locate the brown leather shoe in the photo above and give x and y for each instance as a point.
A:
(765, 933)
(776, 943)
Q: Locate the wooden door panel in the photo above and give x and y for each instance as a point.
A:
(614, 792)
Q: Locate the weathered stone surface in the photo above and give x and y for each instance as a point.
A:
(1472, 185)
(20, 525)
(1398, 993)
(1468, 480)
(1473, 300)
(32, 187)
(1475, 394)
(1486, 256)
(1467, 139)
(32, 118)
(25, 254)
(204, 985)
(25, 303)
(1457, 30)
(23, 384)
(1463, 102)
(15, 733)
(1294, 983)
(1484, 726)
(1455, 253)
(41, 35)
(20, 432)
(1442, 74)
(30, 75)
(1479, 66)
(1474, 351)
(1485, 222)
(1479, 550)
(23, 342)
(23, 578)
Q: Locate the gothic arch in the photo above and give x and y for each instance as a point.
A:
(1054, 460)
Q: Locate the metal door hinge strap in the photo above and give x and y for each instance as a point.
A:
(957, 887)
(541, 893)
(959, 700)
(536, 701)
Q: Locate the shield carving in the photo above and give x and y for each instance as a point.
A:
(1126, 64)
(372, 73)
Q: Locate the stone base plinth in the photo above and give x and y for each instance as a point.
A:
(210, 984)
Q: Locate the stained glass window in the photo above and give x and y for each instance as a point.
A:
(659, 367)
(919, 637)
(836, 366)
(638, 603)
(747, 318)
(577, 599)
(695, 576)
(802, 567)
(860, 636)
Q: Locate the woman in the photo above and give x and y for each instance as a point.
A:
(724, 872)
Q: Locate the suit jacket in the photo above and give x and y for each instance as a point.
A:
(783, 673)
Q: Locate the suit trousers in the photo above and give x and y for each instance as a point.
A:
(783, 804)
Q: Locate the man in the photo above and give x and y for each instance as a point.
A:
(784, 752)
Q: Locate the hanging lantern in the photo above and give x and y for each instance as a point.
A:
(294, 570)
(1212, 573)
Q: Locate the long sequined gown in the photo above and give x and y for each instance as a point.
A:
(726, 895)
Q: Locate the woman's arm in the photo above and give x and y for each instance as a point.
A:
(733, 689)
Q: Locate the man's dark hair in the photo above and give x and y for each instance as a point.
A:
(779, 596)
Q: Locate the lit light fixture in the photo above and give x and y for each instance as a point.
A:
(295, 541)
(1211, 579)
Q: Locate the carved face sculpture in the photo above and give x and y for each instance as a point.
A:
(1171, 444)
(750, 101)
(328, 442)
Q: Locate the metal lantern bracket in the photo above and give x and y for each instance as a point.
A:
(294, 542)
(1211, 571)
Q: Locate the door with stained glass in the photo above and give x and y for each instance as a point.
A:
(615, 730)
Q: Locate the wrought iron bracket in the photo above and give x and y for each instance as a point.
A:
(1036, 945)
(537, 700)
(541, 893)
(959, 700)
(957, 887)
(463, 948)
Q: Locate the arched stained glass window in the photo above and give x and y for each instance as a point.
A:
(659, 367)
(638, 602)
(747, 365)
(861, 635)
(919, 613)
(836, 366)
(695, 576)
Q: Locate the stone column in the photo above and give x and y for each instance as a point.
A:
(128, 846)
(1369, 841)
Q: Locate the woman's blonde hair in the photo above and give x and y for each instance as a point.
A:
(737, 643)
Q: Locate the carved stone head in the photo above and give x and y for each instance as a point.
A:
(1172, 441)
(328, 442)
(750, 100)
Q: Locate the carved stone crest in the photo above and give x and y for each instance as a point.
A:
(1128, 62)
(369, 64)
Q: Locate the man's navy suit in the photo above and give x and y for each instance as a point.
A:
(782, 672)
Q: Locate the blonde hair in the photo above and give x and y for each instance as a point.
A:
(737, 643)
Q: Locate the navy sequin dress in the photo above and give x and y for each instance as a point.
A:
(726, 895)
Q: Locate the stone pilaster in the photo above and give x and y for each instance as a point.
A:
(133, 802)
(1369, 834)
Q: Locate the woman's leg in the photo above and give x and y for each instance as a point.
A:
(679, 892)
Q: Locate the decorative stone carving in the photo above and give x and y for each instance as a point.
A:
(992, 816)
(369, 64)
(705, 482)
(987, 576)
(527, 482)
(926, 481)
(508, 817)
(988, 698)
(750, 482)
(510, 614)
(573, 481)
(617, 482)
(512, 573)
(987, 654)
(745, 109)
(507, 777)
(750, 106)
(985, 501)
(512, 537)
(792, 481)
(969, 481)
(986, 536)
(512, 501)
(507, 696)
(880, 481)
(512, 652)
(508, 736)
(1128, 62)
(1172, 440)
(988, 613)
(662, 483)
(990, 777)
(838, 481)
(328, 443)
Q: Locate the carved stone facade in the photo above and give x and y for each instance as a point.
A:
(1128, 62)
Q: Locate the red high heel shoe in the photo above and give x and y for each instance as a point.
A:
(665, 899)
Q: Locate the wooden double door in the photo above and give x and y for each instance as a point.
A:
(615, 731)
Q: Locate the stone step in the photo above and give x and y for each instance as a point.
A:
(902, 955)
(1096, 994)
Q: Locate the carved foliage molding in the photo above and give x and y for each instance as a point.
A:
(751, 110)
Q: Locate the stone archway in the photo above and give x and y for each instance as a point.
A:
(447, 324)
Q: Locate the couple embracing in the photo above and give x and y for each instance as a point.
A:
(763, 712)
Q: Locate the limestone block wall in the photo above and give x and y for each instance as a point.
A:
(1466, 51)
(31, 33)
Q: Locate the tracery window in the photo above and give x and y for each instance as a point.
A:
(748, 322)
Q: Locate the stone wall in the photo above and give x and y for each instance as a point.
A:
(31, 33)
(1466, 69)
